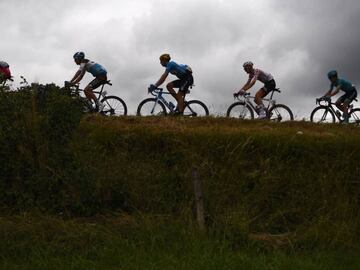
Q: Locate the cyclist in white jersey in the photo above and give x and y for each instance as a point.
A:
(96, 70)
(258, 75)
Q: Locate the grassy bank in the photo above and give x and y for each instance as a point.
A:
(275, 195)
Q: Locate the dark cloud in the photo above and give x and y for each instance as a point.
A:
(297, 41)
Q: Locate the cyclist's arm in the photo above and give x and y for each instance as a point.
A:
(78, 76)
(337, 89)
(331, 93)
(162, 79)
(250, 83)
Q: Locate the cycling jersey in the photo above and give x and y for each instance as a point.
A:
(94, 68)
(260, 75)
(179, 71)
(345, 85)
(4, 71)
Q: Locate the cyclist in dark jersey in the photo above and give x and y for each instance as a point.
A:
(5, 73)
(343, 103)
(96, 70)
(185, 80)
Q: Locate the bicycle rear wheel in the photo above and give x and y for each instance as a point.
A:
(151, 107)
(322, 114)
(280, 113)
(195, 108)
(240, 110)
(354, 116)
(114, 106)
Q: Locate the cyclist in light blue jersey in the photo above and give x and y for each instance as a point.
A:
(96, 70)
(343, 103)
(185, 80)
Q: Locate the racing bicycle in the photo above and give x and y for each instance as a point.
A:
(113, 105)
(159, 106)
(326, 113)
(245, 108)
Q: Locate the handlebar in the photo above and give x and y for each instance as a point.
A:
(237, 96)
(156, 91)
(325, 99)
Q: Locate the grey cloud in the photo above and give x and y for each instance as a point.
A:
(297, 41)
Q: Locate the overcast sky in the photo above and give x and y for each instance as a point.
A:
(298, 42)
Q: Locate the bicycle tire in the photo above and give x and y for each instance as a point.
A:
(142, 111)
(245, 113)
(274, 115)
(190, 110)
(318, 111)
(354, 116)
(114, 106)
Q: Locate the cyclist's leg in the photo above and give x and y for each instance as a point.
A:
(183, 89)
(346, 104)
(264, 91)
(340, 102)
(170, 87)
(98, 81)
(259, 96)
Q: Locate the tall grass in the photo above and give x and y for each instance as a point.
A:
(266, 186)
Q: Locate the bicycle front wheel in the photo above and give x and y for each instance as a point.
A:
(280, 113)
(240, 110)
(195, 108)
(114, 106)
(322, 114)
(151, 107)
(354, 116)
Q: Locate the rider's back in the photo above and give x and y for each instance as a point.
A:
(345, 85)
(261, 76)
(94, 68)
(176, 69)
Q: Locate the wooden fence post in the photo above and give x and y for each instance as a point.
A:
(199, 201)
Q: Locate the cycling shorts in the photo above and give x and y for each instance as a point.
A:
(348, 97)
(98, 81)
(269, 86)
(184, 83)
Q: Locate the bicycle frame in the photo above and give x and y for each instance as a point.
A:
(330, 104)
(77, 90)
(247, 99)
(158, 94)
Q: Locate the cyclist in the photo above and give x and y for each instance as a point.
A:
(185, 80)
(254, 75)
(5, 73)
(96, 70)
(345, 100)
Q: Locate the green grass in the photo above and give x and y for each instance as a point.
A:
(124, 242)
(274, 197)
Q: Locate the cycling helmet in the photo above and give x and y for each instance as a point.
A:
(79, 56)
(165, 57)
(247, 64)
(332, 73)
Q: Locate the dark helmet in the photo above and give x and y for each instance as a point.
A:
(79, 56)
(165, 57)
(248, 64)
(332, 73)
